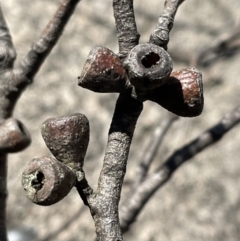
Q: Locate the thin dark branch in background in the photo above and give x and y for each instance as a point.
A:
(152, 148)
(127, 34)
(135, 203)
(223, 49)
(160, 35)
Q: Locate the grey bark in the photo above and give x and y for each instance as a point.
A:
(127, 33)
(160, 35)
(104, 203)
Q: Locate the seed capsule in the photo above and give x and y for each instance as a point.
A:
(14, 136)
(47, 181)
(103, 72)
(182, 94)
(67, 138)
(148, 66)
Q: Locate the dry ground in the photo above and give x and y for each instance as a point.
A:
(202, 200)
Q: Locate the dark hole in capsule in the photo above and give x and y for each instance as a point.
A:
(150, 59)
(38, 182)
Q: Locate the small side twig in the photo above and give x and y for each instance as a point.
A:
(31, 63)
(160, 35)
(152, 148)
(152, 183)
(127, 34)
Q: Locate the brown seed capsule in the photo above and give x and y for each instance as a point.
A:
(67, 138)
(47, 181)
(182, 94)
(14, 136)
(148, 66)
(103, 72)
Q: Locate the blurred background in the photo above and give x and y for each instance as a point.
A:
(202, 200)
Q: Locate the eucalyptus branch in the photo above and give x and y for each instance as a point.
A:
(104, 203)
(136, 202)
(126, 26)
(7, 57)
(160, 35)
(15, 80)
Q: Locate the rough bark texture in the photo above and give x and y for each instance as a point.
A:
(104, 203)
(126, 26)
(160, 35)
(7, 56)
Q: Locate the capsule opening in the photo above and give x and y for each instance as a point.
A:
(38, 182)
(150, 60)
